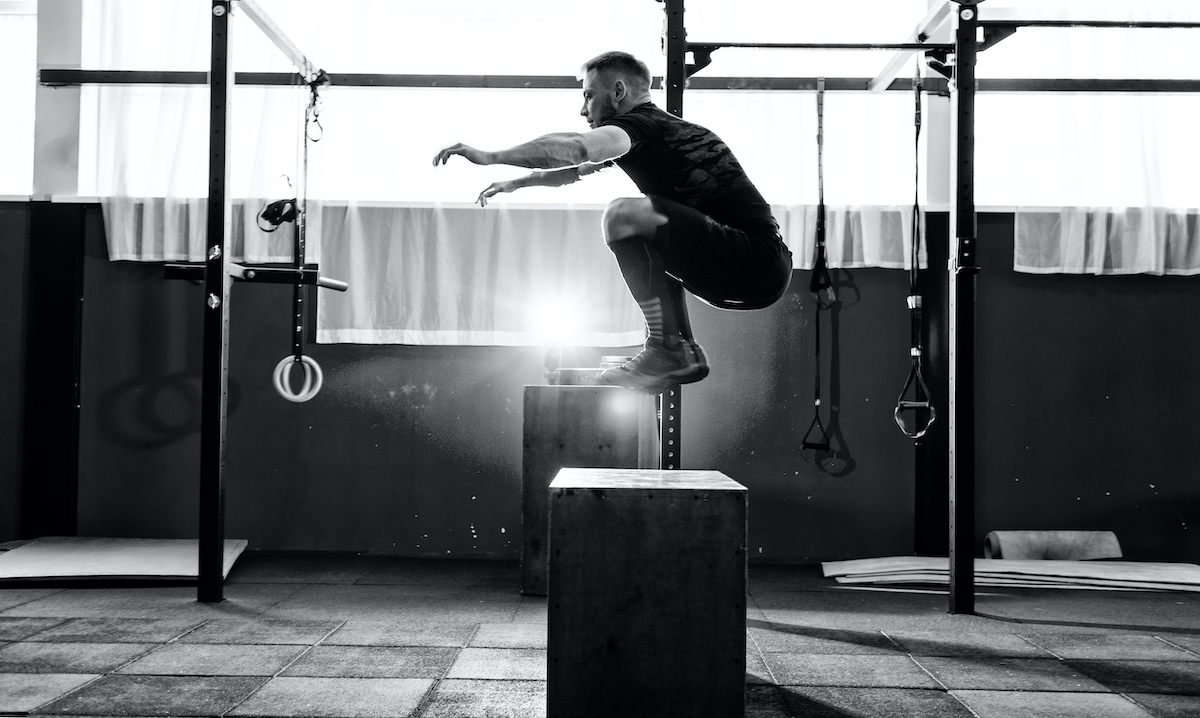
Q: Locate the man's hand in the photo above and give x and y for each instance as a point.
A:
(470, 153)
(496, 188)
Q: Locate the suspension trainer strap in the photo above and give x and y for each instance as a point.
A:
(313, 377)
(821, 284)
(311, 118)
(920, 405)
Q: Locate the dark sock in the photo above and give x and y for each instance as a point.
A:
(679, 300)
(657, 294)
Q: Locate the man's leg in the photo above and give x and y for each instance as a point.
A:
(638, 234)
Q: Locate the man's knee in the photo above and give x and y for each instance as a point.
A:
(627, 217)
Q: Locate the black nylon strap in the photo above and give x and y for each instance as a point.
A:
(921, 401)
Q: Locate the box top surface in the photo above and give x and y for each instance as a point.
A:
(574, 478)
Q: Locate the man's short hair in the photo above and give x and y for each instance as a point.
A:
(620, 63)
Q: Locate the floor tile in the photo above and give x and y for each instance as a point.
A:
(373, 662)
(19, 629)
(827, 702)
(118, 630)
(532, 609)
(156, 696)
(784, 638)
(406, 633)
(1181, 677)
(764, 701)
(312, 568)
(500, 664)
(1095, 611)
(787, 577)
(1107, 646)
(25, 692)
(465, 698)
(69, 657)
(395, 603)
(1161, 706)
(861, 671)
(867, 611)
(1189, 643)
(509, 635)
(350, 636)
(460, 573)
(153, 602)
(262, 631)
(1020, 704)
(199, 659)
(967, 644)
(11, 598)
(1008, 674)
(757, 672)
(337, 697)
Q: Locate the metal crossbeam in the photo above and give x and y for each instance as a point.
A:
(933, 21)
(905, 46)
(278, 36)
(66, 77)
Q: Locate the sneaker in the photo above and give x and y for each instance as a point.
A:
(697, 358)
(656, 367)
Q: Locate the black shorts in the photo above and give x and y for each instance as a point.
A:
(726, 267)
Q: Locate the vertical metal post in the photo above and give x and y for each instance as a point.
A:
(216, 317)
(675, 48)
(671, 421)
(963, 268)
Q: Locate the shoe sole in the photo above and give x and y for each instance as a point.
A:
(689, 376)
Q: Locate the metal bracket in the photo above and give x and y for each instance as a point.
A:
(266, 275)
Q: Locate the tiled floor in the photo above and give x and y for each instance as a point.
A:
(369, 636)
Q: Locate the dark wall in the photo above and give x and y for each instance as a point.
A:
(1087, 402)
(1084, 397)
(14, 266)
(417, 450)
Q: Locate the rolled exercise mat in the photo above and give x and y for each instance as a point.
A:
(1052, 545)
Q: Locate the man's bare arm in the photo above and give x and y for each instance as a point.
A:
(550, 178)
(561, 149)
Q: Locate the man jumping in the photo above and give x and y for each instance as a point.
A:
(702, 225)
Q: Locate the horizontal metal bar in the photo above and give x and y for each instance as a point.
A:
(50, 76)
(1080, 85)
(514, 82)
(1091, 23)
(309, 274)
(61, 77)
(938, 86)
(820, 46)
(566, 82)
(806, 84)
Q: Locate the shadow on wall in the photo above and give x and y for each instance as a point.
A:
(150, 412)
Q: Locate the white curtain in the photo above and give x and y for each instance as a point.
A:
(1106, 240)
(1102, 184)
(458, 274)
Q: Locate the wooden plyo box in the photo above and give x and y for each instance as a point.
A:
(597, 426)
(647, 602)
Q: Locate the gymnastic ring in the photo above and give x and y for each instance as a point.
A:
(312, 379)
